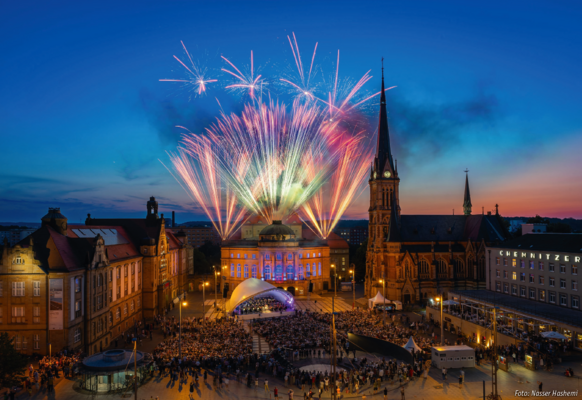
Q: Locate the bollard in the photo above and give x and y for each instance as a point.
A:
(483, 390)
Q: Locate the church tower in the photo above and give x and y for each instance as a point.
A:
(384, 180)
(467, 206)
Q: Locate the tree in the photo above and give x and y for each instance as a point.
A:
(13, 363)
(537, 220)
(559, 227)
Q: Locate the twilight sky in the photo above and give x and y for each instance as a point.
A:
(494, 87)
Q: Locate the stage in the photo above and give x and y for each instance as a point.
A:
(263, 315)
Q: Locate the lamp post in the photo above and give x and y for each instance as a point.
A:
(334, 280)
(353, 272)
(216, 273)
(204, 284)
(182, 303)
(223, 300)
(383, 282)
(442, 324)
(135, 366)
(50, 351)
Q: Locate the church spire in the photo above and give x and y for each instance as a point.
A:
(384, 162)
(467, 199)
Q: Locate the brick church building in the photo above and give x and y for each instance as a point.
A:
(419, 256)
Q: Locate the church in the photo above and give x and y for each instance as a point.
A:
(415, 257)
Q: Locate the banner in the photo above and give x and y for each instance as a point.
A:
(56, 304)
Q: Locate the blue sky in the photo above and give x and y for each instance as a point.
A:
(494, 87)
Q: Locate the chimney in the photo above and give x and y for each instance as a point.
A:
(488, 212)
(173, 219)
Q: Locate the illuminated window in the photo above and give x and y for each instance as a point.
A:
(36, 288)
(541, 266)
(542, 295)
(300, 273)
(267, 272)
(532, 265)
(514, 262)
(497, 261)
(319, 268)
(246, 271)
(574, 270)
(18, 289)
(238, 270)
(254, 270)
(514, 276)
(232, 270)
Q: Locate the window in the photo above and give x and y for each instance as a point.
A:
(497, 261)
(138, 302)
(254, 256)
(254, 271)
(125, 271)
(77, 309)
(77, 284)
(532, 265)
(514, 290)
(125, 289)
(231, 255)
(118, 272)
(319, 268)
(506, 287)
(514, 277)
(125, 309)
(110, 318)
(36, 341)
(267, 272)
(574, 272)
(575, 301)
(522, 291)
(36, 315)
(505, 262)
(522, 277)
(552, 297)
(18, 289)
(563, 299)
(17, 342)
(532, 278)
(246, 256)
(246, 271)
(110, 275)
(132, 306)
(77, 335)
(118, 292)
(532, 293)
(343, 260)
(541, 280)
(562, 284)
(118, 313)
(505, 275)
(232, 270)
(99, 302)
(514, 262)
(551, 268)
(238, 256)
(552, 282)
(541, 265)
(498, 286)
(133, 268)
(542, 295)
(238, 270)
(18, 315)
(574, 285)
(267, 256)
(24, 342)
(522, 263)
(100, 280)
(36, 288)
(562, 269)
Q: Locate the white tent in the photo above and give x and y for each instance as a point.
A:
(378, 299)
(411, 345)
(253, 287)
(553, 335)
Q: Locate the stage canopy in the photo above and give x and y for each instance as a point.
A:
(411, 345)
(252, 287)
(378, 299)
(553, 335)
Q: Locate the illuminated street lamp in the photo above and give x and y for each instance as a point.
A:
(334, 280)
(353, 272)
(383, 282)
(182, 303)
(442, 325)
(204, 284)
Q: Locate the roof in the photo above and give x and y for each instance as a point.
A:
(116, 240)
(452, 348)
(173, 242)
(561, 242)
(467, 196)
(136, 228)
(277, 228)
(520, 305)
(252, 287)
(445, 228)
(427, 248)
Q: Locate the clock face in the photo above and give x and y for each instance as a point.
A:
(387, 174)
(375, 175)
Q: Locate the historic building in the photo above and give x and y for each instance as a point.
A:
(81, 286)
(286, 255)
(417, 256)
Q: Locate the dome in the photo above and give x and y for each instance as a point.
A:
(53, 213)
(277, 231)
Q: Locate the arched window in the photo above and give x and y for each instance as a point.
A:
(290, 256)
(232, 270)
(238, 270)
(246, 271)
(278, 272)
(319, 268)
(300, 272)
(308, 271)
(441, 267)
(254, 271)
(290, 272)
(267, 272)
(423, 267)
(267, 257)
(481, 269)
(459, 268)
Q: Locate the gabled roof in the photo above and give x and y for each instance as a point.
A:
(119, 249)
(136, 228)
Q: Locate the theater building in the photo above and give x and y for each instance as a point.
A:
(418, 256)
(287, 255)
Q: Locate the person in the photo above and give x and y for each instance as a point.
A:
(276, 393)
(540, 384)
(256, 383)
(443, 372)
(402, 393)
(192, 387)
(385, 393)
(266, 385)
(462, 377)
(290, 394)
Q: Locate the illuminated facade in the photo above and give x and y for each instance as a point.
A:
(418, 256)
(285, 255)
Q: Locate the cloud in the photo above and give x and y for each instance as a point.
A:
(430, 129)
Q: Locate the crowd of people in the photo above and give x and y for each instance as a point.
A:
(260, 305)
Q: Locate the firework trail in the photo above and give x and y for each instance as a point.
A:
(245, 83)
(302, 88)
(196, 79)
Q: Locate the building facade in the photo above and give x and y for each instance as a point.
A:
(285, 255)
(198, 235)
(417, 256)
(81, 286)
(354, 236)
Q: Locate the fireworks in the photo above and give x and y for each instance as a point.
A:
(196, 79)
(272, 160)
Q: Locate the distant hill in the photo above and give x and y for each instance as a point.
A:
(21, 224)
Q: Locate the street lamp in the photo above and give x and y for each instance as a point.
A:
(353, 272)
(204, 284)
(442, 325)
(334, 280)
(216, 274)
(182, 303)
(383, 282)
